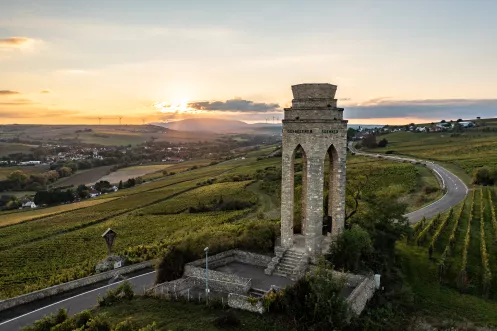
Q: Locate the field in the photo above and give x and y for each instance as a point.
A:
(130, 172)
(14, 217)
(12, 148)
(216, 204)
(462, 153)
(458, 249)
(89, 176)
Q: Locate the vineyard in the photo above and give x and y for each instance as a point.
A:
(209, 205)
(461, 244)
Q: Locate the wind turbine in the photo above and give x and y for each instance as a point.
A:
(99, 120)
(120, 118)
(143, 121)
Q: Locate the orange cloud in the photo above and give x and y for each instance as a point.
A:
(45, 91)
(15, 42)
(8, 92)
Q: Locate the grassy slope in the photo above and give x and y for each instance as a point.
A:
(11, 148)
(461, 154)
(181, 316)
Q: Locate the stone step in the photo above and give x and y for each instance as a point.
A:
(296, 256)
(290, 260)
(256, 292)
(291, 266)
(285, 270)
(281, 274)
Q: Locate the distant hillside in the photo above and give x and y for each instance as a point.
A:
(207, 125)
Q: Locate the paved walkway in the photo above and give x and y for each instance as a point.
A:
(259, 279)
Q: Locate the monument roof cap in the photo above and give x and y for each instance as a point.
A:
(314, 91)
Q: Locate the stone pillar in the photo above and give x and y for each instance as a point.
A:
(314, 202)
(287, 189)
(338, 190)
(304, 194)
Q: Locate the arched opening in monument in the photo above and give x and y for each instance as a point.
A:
(300, 189)
(329, 189)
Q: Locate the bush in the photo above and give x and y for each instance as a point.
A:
(485, 176)
(430, 189)
(383, 143)
(314, 302)
(48, 322)
(351, 249)
(228, 320)
(98, 323)
(126, 325)
(123, 292)
(150, 327)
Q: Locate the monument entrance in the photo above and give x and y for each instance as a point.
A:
(314, 126)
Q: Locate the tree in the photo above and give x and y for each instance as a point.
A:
(351, 249)
(351, 132)
(383, 143)
(369, 141)
(65, 172)
(72, 165)
(83, 191)
(443, 121)
(120, 186)
(102, 186)
(52, 175)
(39, 178)
(459, 120)
(485, 176)
(18, 177)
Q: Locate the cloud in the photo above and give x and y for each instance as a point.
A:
(8, 92)
(17, 102)
(37, 113)
(45, 91)
(234, 105)
(15, 42)
(429, 108)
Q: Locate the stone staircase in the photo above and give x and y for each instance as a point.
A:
(256, 293)
(290, 264)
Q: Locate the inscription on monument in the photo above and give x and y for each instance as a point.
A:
(310, 131)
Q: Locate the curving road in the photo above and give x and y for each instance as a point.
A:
(454, 188)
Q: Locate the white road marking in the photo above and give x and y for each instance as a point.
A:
(56, 303)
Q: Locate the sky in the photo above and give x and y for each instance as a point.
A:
(394, 61)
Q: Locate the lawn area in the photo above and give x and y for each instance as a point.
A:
(131, 172)
(461, 153)
(26, 215)
(181, 316)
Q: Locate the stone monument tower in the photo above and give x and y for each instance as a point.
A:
(315, 124)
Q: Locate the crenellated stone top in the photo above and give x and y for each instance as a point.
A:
(314, 101)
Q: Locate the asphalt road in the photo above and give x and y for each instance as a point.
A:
(77, 303)
(455, 189)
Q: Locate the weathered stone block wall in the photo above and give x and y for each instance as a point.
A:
(241, 302)
(220, 281)
(57, 289)
(252, 258)
(361, 294)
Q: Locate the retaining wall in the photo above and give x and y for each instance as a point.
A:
(57, 289)
(361, 294)
(220, 281)
(241, 302)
